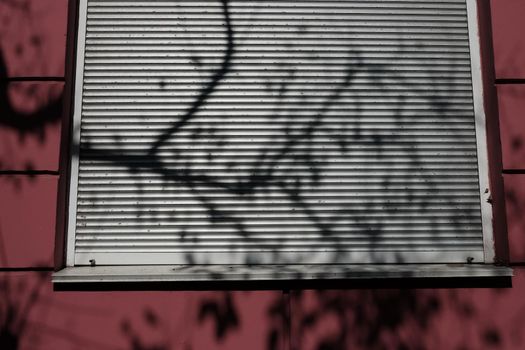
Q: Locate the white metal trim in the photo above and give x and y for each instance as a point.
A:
(481, 132)
(209, 273)
(75, 137)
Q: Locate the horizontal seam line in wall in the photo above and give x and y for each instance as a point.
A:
(29, 172)
(26, 269)
(517, 264)
(29, 79)
(510, 81)
(513, 171)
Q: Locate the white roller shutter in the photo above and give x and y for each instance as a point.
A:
(275, 132)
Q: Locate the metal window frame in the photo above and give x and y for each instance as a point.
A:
(393, 270)
(481, 131)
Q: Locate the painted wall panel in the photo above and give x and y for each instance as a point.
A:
(135, 320)
(509, 42)
(511, 101)
(30, 125)
(27, 220)
(482, 318)
(515, 206)
(33, 37)
(477, 318)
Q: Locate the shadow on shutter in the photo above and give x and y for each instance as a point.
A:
(249, 132)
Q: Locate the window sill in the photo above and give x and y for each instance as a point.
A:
(185, 274)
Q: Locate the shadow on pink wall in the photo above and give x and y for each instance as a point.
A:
(32, 40)
(32, 316)
(32, 50)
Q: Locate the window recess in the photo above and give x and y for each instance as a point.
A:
(289, 133)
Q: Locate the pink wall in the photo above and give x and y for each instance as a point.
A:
(480, 318)
(509, 56)
(33, 316)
